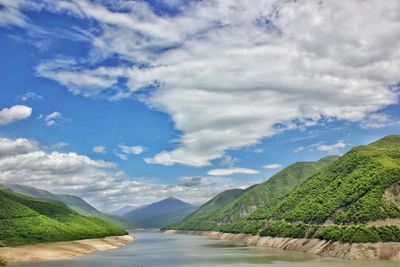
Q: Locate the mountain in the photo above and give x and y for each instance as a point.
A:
(207, 211)
(268, 192)
(361, 186)
(124, 210)
(232, 205)
(27, 220)
(160, 214)
(355, 198)
(74, 202)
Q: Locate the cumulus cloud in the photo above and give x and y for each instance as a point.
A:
(136, 150)
(99, 149)
(230, 171)
(15, 113)
(232, 73)
(272, 166)
(100, 182)
(333, 149)
(53, 119)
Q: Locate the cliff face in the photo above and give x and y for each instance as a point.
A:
(355, 251)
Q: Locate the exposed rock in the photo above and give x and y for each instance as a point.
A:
(355, 251)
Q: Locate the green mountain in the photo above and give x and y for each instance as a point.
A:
(161, 213)
(335, 203)
(268, 192)
(233, 205)
(74, 202)
(27, 220)
(361, 186)
(208, 211)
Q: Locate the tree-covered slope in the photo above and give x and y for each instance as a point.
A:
(233, 205)
(74, 202)
(161, 213)
(359, 187)
(268, 192)
(207, 211)
(27, 220)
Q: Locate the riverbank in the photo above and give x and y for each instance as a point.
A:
(61, 250)
(355, 251)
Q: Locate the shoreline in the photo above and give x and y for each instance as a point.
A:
(356, 251)
(61, 250)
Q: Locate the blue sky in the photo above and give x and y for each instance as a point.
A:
(145, 99)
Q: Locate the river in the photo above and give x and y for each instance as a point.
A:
(162, 250)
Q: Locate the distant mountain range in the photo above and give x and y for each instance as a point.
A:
(352, 198)
(160, 214)
(25, 220)
(124, 210)
(74, 202)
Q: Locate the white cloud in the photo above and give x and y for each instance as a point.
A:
(30, 96)
(53, 119)
(258, 150)
(100, 182)
(228, 161)
(15, 113)
(10, 15)
(272, 166)
(120, 155)
(333, 149)
(136, 150)
(376, 120)
(230, 171)
(299, 149)
(122, 151)
(99, 149)
(232, 73)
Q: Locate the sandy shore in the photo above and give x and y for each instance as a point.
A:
(61, 250)
(355, 251)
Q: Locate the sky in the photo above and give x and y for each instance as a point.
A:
(128, 102)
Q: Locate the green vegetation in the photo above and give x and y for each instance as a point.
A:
(270, 191)
(350, 190)
(74, 202)
(234, 205)
(28, 220)
(3, 262)
(201, 218)
(331, 200)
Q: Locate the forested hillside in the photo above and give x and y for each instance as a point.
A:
(348, 199)
(233, 205)
(74, 202)
(27, 220)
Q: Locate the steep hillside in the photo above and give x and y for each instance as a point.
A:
(161, 213)
(276, 187)
(74, 202)
(27, 220)
(359, 187)
(208, 211)
(233, 205)
(355, 198)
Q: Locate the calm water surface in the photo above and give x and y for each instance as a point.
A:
(161, 250)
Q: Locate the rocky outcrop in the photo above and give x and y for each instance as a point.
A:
(355, 251)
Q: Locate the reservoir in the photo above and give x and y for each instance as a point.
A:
(175, 250)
